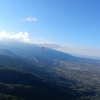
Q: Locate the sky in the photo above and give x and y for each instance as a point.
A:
(71, 26)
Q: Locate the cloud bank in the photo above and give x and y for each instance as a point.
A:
(20, 36)
(24, 37)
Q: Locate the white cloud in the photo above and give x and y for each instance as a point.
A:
(31, 19)
(20, 36)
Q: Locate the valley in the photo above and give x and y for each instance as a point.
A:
(51, 75)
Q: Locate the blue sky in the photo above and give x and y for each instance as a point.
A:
(73, 23)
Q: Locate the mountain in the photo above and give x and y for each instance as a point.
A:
(32, 87)
(8, 53)
(34, 54)
(48, 80)
(78, 77)
(22, 65)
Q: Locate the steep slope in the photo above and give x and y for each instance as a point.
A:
(34, 54)
(21, 65)
(34, 50)
(36, 86)
(8, 53)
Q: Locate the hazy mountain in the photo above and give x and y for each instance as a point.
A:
(8, 53)
(35, 54)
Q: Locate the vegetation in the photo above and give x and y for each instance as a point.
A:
(54, 77)
(33, 87)
(9, 97)
(30, 87)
